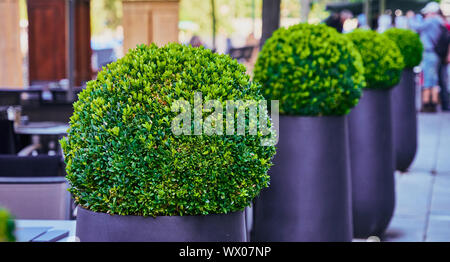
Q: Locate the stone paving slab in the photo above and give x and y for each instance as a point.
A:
(443, 152)
(428, 138)
(438, 229)
(405, 229)
(413, 194)
(439, 218)
(423, 194)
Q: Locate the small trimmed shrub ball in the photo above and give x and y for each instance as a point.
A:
(6, 226)
(409, 44)
(311, 69)
(123, 158)
(383, 61)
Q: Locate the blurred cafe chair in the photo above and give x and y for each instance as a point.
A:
(241, 54)
(35, 197)
(102, 57)
(30, 166)
(34, 187)
(7, 137)
(9, 142)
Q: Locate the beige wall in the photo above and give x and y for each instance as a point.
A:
(149, 21)
(10, 54)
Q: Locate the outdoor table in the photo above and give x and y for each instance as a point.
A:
(12, 96)
(49, 129)
(45, 230)
(43, 128)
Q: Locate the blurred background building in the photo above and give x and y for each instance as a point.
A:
(100, 35)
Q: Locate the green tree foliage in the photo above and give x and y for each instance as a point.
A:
(105, 14)
(199, 11)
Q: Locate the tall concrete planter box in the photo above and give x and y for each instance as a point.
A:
(309, 196)
(404, 120)
(372, 163)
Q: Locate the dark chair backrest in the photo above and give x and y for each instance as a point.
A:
(30, 166)
(9, 97)
(241, 52)
(7, 137)
(104, 56)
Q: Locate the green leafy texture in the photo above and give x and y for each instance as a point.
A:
(6, 226)
(409, 44)
(122, 157)
(311, 69)
(383, 61)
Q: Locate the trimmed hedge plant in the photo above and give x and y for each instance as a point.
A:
(383, 61)
(6, 226)
(122, 157)
(409, 44)
(311, 69)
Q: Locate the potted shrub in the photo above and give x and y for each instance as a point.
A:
(317, 76)
(6, 226)
(370, 129)
(404, 117)
(136, 180)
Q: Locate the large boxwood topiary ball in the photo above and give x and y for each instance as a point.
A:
(382, 59)
(312, 69)
(409, 44)
(122, 157)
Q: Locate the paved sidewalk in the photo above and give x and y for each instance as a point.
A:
(423, 194)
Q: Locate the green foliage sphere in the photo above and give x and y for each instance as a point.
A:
(122, 157)
(383, 61)
(6, 226)
(409, 44)
(311, 69)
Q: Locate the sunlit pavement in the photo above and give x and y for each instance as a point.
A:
(423, 194)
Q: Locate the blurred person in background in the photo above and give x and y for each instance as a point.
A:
(337, 20)
(385, 21)
(430, 31)
(413, 19)
(400, 20)
(443, 70)
(362, 21)
(195, 41)
(250, 62)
